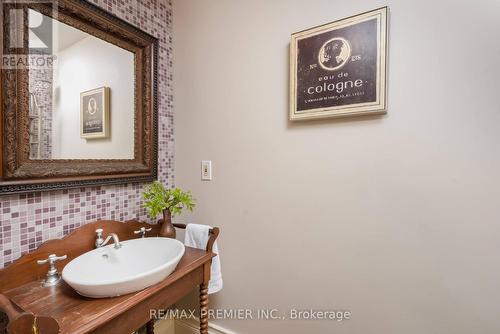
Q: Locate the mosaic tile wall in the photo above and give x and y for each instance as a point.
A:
(29, 219)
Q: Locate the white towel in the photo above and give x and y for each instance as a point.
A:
(197, 237)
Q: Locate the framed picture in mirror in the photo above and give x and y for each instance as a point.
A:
(94, 113)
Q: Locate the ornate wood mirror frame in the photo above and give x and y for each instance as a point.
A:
(20, 174)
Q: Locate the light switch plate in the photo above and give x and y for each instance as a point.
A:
(206, 170)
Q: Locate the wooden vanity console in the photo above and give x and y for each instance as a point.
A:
(31, 307)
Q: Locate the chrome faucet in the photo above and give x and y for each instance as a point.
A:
(143, 231)
(100, 242)
(53, 276)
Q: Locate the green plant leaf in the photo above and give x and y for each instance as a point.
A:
(158, 198)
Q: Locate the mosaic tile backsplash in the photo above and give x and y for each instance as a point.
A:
(27, 220)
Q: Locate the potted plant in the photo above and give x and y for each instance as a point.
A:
(170, 202)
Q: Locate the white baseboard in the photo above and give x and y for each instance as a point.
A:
(186, 326)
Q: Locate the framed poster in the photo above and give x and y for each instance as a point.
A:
(94, 113)
(339, 69)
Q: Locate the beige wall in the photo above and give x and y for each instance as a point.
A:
(394, 218)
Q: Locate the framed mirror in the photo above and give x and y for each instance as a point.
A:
(78, 98)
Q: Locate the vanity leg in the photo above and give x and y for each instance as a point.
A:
(203, 308)
(150, 327)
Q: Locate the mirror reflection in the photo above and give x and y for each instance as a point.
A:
(82, 105)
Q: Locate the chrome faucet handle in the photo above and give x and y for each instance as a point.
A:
(143, 231)
(98, 233)
(52, 275)
(99, 240)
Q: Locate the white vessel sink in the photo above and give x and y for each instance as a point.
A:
(110, 272)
